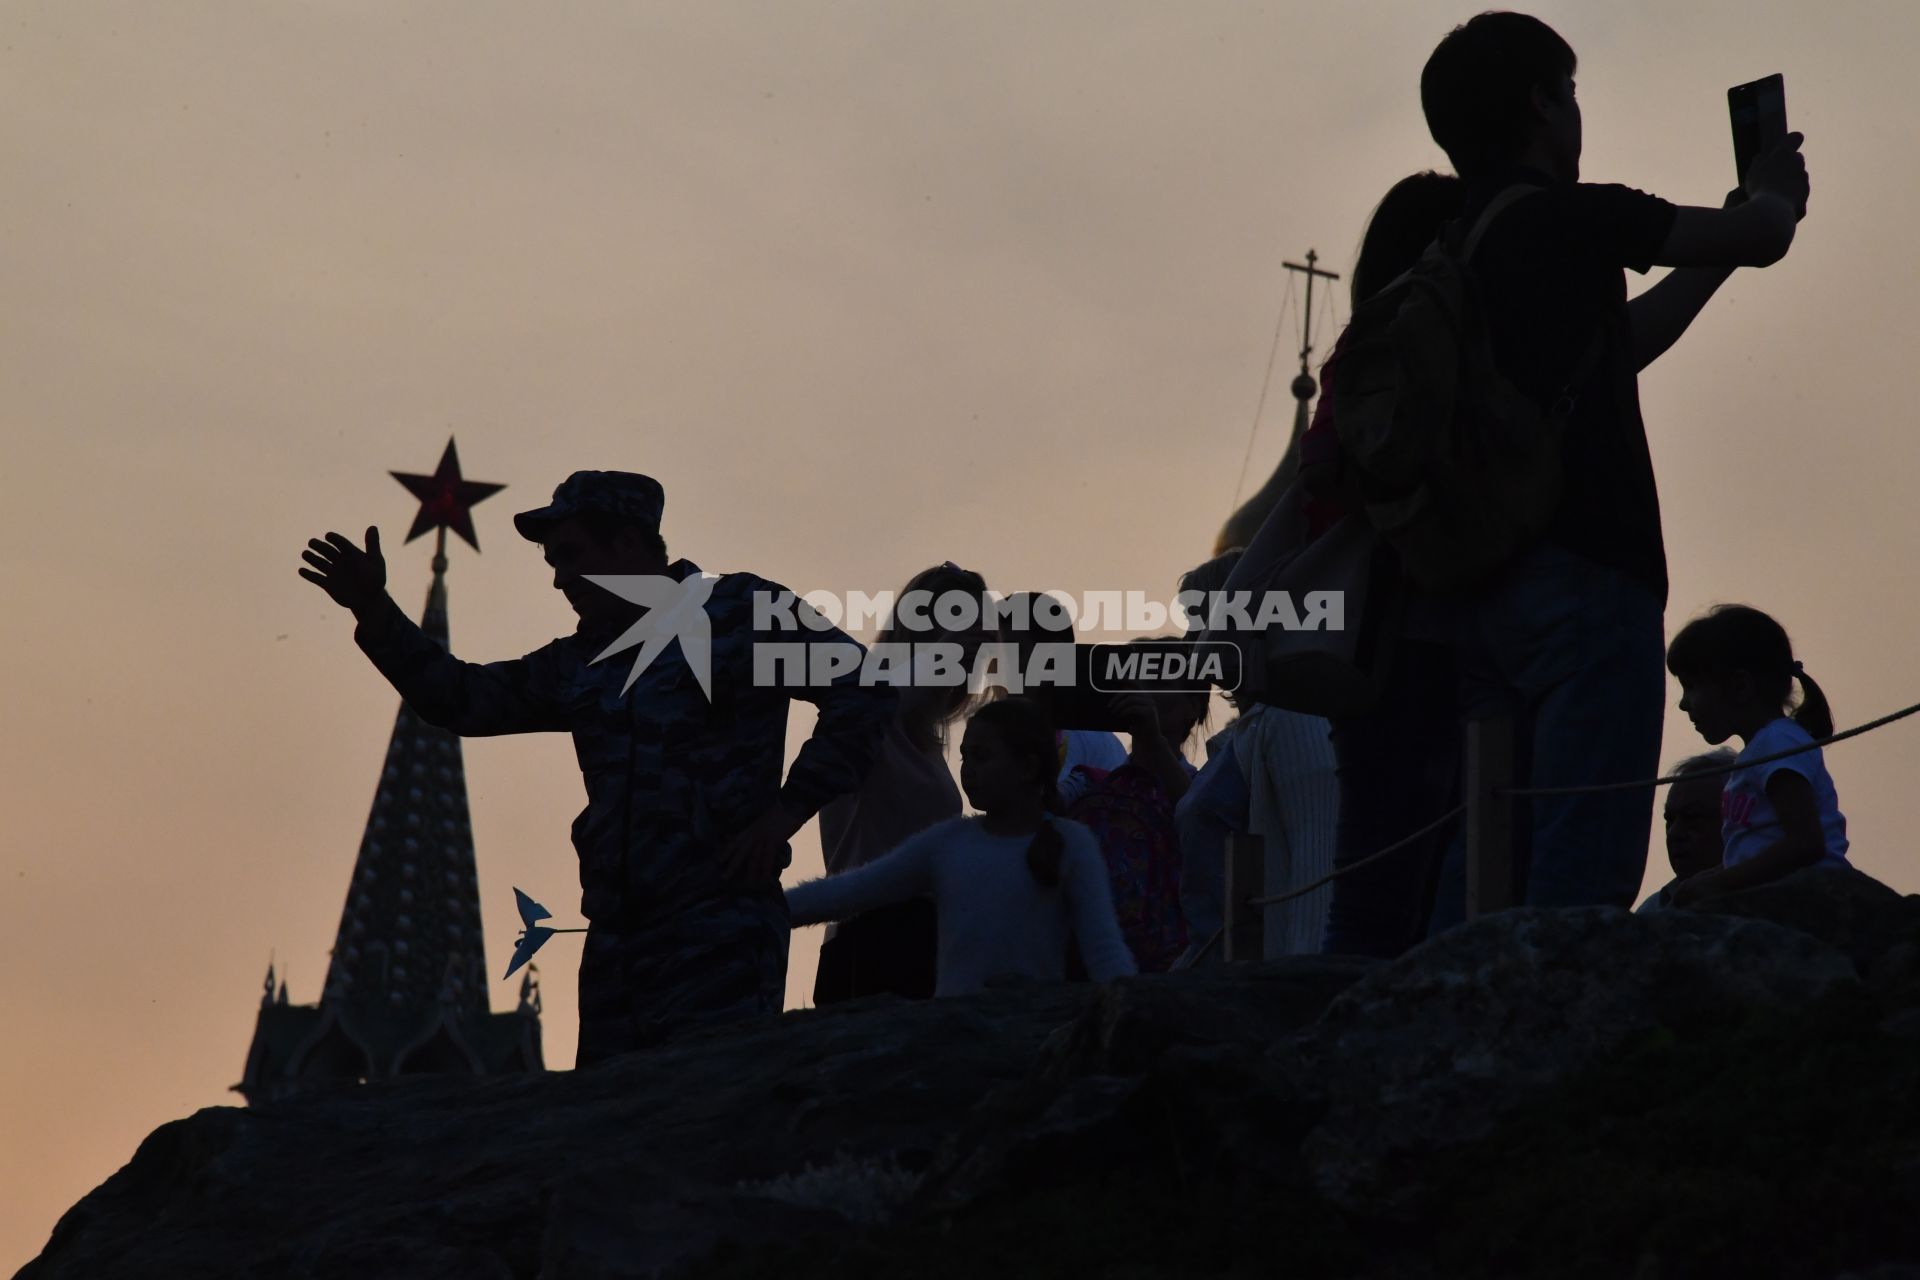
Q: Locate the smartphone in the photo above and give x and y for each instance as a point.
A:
(1759, 113)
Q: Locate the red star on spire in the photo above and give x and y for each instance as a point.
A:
(445, 498)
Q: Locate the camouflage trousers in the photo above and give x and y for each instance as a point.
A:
(712, 963)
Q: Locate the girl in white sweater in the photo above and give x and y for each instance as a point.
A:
(1011, 885)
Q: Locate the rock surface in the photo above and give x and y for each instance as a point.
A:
(1542, 1093)
(1433, 1049)
(1844, 908)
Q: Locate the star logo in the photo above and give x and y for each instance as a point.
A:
(675, 611)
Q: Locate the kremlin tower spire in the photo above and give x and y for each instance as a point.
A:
(406, 985)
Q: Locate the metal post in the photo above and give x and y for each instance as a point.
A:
(1489, 816)
(1278, 920)
(1246, 880)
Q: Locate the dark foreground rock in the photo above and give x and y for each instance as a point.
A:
(1560, 1094)
(1434, 1049)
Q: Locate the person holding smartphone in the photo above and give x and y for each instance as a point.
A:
(1568, 639)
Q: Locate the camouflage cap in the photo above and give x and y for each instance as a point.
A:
(614, 493)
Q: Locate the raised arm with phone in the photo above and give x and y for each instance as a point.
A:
(1754, 227)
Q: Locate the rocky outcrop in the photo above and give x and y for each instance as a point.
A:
(1553, 1093)
(1845, 908)
(530, 1170)
(1434, 1049)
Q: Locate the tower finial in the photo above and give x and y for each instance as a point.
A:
(1304, 386)
(1247, 517)
(446, 501)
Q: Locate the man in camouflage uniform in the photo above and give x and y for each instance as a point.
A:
(685, 832)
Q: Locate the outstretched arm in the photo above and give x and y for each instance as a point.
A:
(1753, 228)
(471, 699)
(1755, 232)
(893, 877)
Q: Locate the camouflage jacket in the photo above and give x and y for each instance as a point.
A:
(670, 775)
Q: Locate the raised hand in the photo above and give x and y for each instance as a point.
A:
(1781, 170)
(352, 578)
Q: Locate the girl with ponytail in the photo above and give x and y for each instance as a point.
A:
(1011, 885)
(1737, 671)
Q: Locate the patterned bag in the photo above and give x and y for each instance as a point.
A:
(1129, 813)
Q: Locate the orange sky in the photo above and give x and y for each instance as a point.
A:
(867, 285)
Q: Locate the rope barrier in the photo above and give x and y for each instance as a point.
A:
(1187, 962)
(1369, 860)
(1717, 771)
(1526, 792)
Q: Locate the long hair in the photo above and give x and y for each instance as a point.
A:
(936, 582)
(1404, 223)
(1028, 619)
(1026, 732)
(1738, 637)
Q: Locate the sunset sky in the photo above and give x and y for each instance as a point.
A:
(867, 285)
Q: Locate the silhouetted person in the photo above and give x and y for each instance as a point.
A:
(685, 832)
(1130, 810)
(1011, 886)
(907, 789)
(1027, 623)
(1737, 671)
(1398, 762)
(1269, 773)
(1568, 639)
(1691, 816)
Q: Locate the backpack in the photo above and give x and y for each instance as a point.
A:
(1129, 813)
(1457, 469)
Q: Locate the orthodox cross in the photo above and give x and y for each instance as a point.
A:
(1303, 386)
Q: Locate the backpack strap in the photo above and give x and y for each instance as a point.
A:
(1495, 207)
